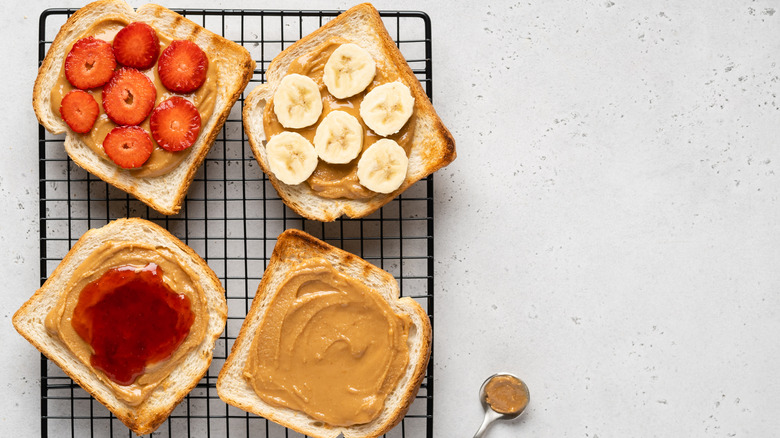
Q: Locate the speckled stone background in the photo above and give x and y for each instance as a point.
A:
(610, 230)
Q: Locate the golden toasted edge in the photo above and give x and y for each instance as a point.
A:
(437, 152)
(140, 420)
(56, 44)
(27, 309)
(246, 335)
(289, 244)
(296, 244)
(417, 376)
(233, 55)
(150, 419)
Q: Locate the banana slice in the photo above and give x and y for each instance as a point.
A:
(382, 167)
(348, 71)
(297, 101)
(291, 157)
(386, 108)
(339, 138)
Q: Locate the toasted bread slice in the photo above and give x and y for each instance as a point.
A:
(291, 249)
(145, 417)
(235, 67)
(433, 147)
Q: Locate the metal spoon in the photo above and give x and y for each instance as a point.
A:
(490, 414)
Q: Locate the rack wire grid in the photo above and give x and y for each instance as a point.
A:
(231, 217)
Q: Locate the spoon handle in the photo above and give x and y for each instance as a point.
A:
(490, 416)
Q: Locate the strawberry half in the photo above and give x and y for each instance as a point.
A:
(137, 46)
(79, 110)
(175, 124)
(90, 63)
(128, 146)
(183, 66)
(129, 96)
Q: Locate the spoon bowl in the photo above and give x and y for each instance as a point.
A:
(491, 414)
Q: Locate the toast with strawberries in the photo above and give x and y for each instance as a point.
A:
(140, 95)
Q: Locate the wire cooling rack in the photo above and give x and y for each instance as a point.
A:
(231, 217)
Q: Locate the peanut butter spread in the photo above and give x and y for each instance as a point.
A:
(506, 394)
(115, 254)
(328, 346)
(338, 180)
(161, 161)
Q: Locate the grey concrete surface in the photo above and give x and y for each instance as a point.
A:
(610, 230)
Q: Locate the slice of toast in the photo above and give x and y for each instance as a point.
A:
(145, 417)
(433, 147)
(235, 67)
(292, 248)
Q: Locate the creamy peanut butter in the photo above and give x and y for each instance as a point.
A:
(328, 346)
(338, 180)
(506, 394)
(161, 161)
(115, 254)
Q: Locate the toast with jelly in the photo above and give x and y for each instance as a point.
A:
(123, 291)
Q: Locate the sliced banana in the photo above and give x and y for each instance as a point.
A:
(291, 157)
(386, 108)
(348, 71)
(339, 138)
(382, 167)
(297, 101)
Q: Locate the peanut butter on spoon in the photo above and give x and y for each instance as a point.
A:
(504, 397)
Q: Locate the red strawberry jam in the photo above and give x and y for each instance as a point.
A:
(131, 319)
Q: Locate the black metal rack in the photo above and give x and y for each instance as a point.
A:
(231, 217)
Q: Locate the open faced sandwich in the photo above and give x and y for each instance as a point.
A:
(328, 347)
(131, 314)
(141, 95)
(343, 125)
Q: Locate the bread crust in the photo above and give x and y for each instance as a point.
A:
(146, 417)
(235, 68)
(292, 247)
(433, 146)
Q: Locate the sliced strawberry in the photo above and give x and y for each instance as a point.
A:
(128, 146)
(137, 46)
(183, 66)
(175, 124)
(129, 96)
(79, 110)
(90, 63)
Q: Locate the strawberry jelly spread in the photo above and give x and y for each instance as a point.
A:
(131, 318)
(328, 346)
(161, 161)
(338, 180)
(131, 312)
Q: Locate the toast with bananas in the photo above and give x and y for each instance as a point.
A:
(342, 125)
